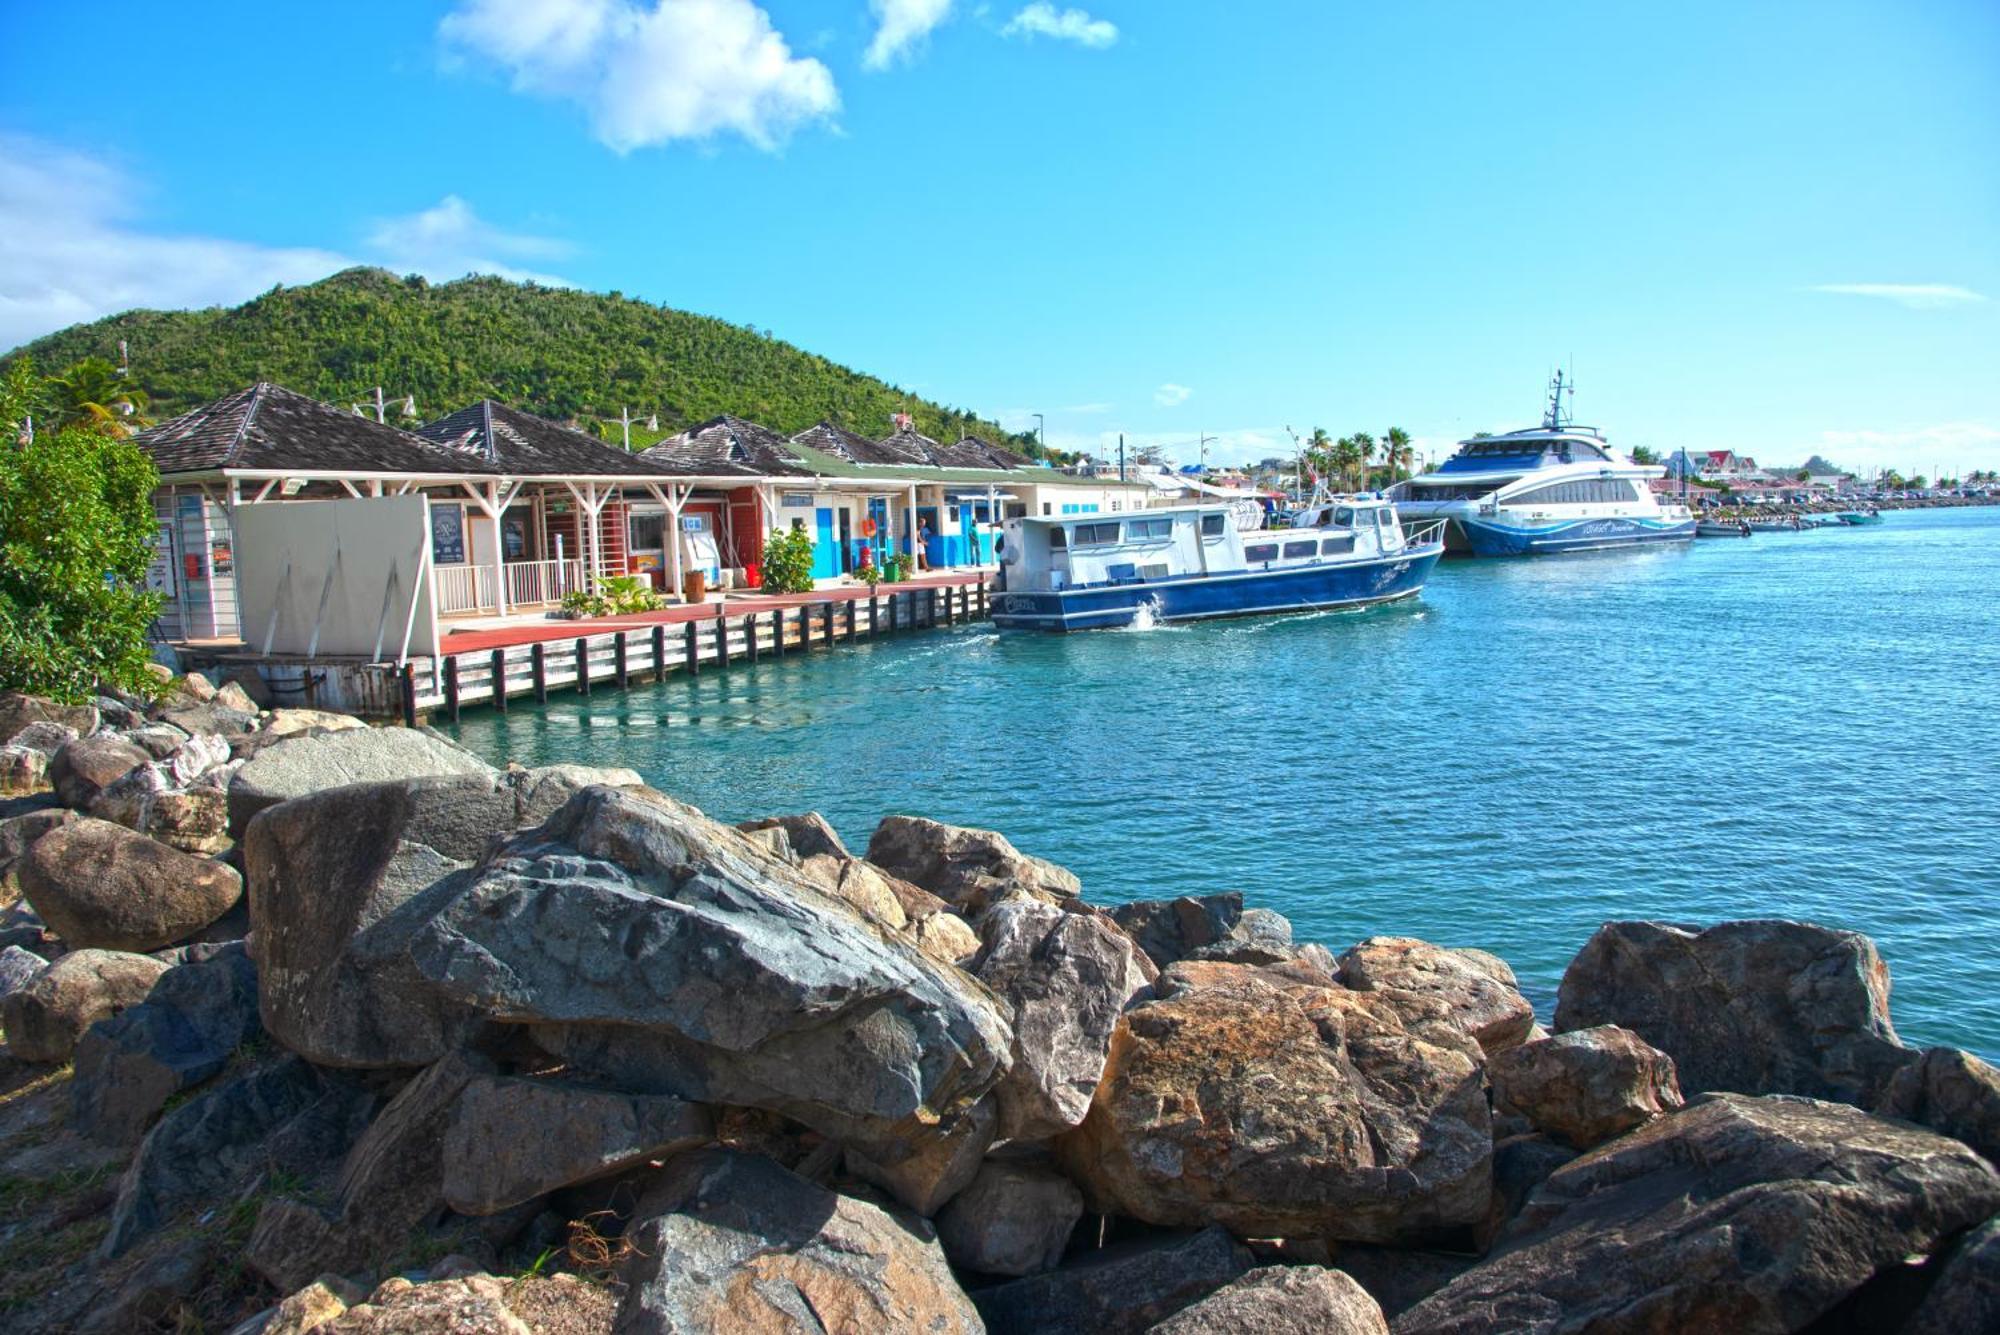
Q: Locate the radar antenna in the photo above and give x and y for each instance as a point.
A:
(1559, 415)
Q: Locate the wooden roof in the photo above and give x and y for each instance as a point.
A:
(727, 445)
(520, 444)
(268, 428)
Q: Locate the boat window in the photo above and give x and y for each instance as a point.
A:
(1096, 535)
(1343, 517)
(1588, 491)
(1339, 546)
(1385, 518)
(1212, 526)
(1263, 551)
(1058, 538)
(1139, 530)
(1297, 549)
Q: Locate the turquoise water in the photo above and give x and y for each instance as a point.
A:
(1792, 725)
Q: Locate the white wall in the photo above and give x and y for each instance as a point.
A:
(356, 570)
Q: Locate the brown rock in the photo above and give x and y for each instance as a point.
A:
(1734, 1213)
(1478, 990)
(1066, 978)
(1014, 1219)
(1282, 1108)
(861, 885)
(1965, 1297)
(968, 868)
(23, 770)
(809, 836)
(1282, 1300)
(101, 885)
(1585, 1086)
(925, 1172)
(1124, 1289)
(83, 769)
(15, 836)
(1952, 1092)
(17, 711)
(45, 1019)
(1756, 1007)
(727, 1241)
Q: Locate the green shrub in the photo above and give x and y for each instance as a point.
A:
(77, 532)
(788, 562)
(631, 593)
(899, 565)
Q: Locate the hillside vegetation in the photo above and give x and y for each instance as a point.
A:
(562, 353)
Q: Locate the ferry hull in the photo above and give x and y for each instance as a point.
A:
(1487, 537)
(1201, 597)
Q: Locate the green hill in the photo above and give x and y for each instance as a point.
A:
(562, 353)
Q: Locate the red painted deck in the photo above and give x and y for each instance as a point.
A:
(730, 608)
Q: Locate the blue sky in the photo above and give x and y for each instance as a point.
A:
(1769, 227)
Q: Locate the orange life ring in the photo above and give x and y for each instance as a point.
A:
(868, 528)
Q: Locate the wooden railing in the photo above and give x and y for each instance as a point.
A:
(539, 583)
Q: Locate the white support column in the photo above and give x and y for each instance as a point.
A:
(910, 527)
(592, 502)
(675, 499)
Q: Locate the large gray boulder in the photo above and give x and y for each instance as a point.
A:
(1586, 1086)
(1477, 990)
(82, 770)
(727, 1241)
(1282, 1300)
(1281, 1107)
(1754, 1007)
(661, 951)
(18, 968)
(1121, 1290)
(18, 710)
(315, 762)
(1014, 1219)
(968, 868)
(23, 771)
(1735, 1213)
(1949, 1091)
(1066, 978)
(1965, 1297)
(339, 883)
(511, 1140)
(283, 1117)
(102, 886)
(1170, 930)
(390, 1184)
(191, 1023)
(45, 1018)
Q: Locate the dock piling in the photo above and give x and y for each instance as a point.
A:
(693, 658)
(618, 648)
(659, 652)
(750, 637)
(582, 666)
(721, 638)
(500, 680)
(451, 686)
(409, 695)
(539, 658)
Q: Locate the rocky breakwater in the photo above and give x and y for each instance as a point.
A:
(417, 1043)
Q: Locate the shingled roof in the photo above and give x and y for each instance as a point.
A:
(977, 452)
(268, 428)
(520, 444)
(728, 445)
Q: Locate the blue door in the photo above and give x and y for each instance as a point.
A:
(826, 556)
(878, 510)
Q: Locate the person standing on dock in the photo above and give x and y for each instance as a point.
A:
(923, 544)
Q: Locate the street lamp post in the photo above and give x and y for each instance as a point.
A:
(1041, 433)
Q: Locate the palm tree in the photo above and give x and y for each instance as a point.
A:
(1347, 455)
(1401, 454)
(92, 392)
(1364, 453)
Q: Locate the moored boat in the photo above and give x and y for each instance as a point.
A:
(1554, 488)
(1194, 562)
(1710, 528)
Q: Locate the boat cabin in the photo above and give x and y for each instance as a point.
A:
(1193, 541)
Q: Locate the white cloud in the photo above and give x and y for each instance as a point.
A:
(679, 69)
(449, 241)
(72, 252)
(1916, 296)
(1171, 395)
(1955, 446)
(900, 25)
(77, 248)
(1042, 19)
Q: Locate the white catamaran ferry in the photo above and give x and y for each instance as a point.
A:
(1554, 488)
(1192, 562)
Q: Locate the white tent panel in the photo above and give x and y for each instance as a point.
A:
(337, 579)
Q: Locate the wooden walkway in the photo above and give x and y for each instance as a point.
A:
(491, 667)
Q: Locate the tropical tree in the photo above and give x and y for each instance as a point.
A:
(77, 533)
(1345, 456)
(1642, 455)
(1802, 476)
(1318, 453)
(91, 392)
(1399, 454)
(1364, 449)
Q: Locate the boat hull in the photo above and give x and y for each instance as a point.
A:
(1310, 588)
(1491, 537)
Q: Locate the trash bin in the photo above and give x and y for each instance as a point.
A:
(694, 586)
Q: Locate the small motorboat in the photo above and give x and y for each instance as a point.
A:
(1715, 528)
(1859, 517)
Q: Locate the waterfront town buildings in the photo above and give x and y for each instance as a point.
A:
(491, 511)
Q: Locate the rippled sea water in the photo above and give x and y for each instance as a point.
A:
(1790, 725)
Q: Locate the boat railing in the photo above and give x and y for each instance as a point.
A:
(1422, 535)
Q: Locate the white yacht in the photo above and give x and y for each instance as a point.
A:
(1558, 487)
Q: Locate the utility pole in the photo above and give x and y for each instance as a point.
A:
(1121, 456)
(1041, 433)
(1201, 443)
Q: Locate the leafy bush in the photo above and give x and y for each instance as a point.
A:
(631, 593)
(899, 564)
(788, 562)
(583, 603)
(77, 532)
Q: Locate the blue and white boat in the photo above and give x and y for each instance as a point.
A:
(1193, 562)
(1554, 488)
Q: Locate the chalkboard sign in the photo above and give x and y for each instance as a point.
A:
(448, 535)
